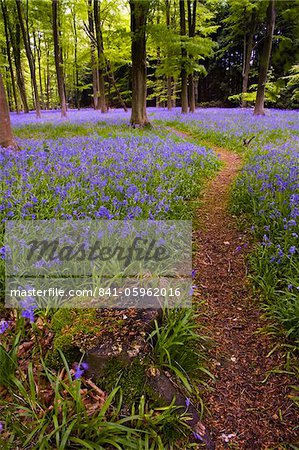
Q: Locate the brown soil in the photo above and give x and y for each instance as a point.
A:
(245, 412)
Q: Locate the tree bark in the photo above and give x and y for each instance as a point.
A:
(58, 59)
(184, 76)
(168, 79)
(47, 76)
(113, 82)
(38, 50)
(248, 46)
(95, 75)
(101, 57)
(7, 40)
(265, 59)
(191, 29)
(77, 92)
(15, 38)
(6, 136)
(30, 58)
(139, 10)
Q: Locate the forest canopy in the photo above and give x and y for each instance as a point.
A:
(79, 53)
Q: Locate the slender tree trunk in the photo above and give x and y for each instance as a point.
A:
(30, 58)
(168, 79)
(139, 10)
(6, 136)
(7, 40)
(47, 77)
(265, 60)
(58, 59)
(101, 57)
(169, 92)
(191, 29)
(37, 47)
(15, 38)
(40, 71)
(184, 76)
(248, 46)
(95, 74)
(19, 70)
(77, 93)
(113, 82)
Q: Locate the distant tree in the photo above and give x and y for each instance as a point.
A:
(169, 93)
(139, 10)
(58, 58)
(7, 41)
(93, 42)
(100, 54)
(6, 136)
(26, 40)
(184, 76)
(265, 59)
(191, 29)
(13, 38)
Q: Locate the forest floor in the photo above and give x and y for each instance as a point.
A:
(246, 408)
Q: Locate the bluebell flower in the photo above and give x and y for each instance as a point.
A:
(80, 369)
(197, 436)
(28, 306)
(4, 325)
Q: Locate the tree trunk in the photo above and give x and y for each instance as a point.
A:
(168, 79)
(113, 82)
(95, 75)
(191, 29)
(7, 40)
(30, 58)
(169, 96)
(76, 77)
(101, 57)
(265, 59)
(248, 46)
(139, 10)
(191, 96)
(6, 136)
(58, 59)
(47, 77)
(37, 45)
(184, 77)
(16, 47)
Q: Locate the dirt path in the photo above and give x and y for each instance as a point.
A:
(244, 412)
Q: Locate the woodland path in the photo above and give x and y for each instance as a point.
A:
(244, 411)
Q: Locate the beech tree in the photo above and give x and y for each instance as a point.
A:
(30, 58)
(58, 59)
(6, 136)
(248, 47)
(100, 55)
(139, 10)
(191, 29)
(184, 76)
(265, 59)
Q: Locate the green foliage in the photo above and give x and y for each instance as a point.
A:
(28, 420)
(272, 94)
(177, 345)
(9, 361)
(293, 82)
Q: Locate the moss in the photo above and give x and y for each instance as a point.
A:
(65, 344)
(75, 331)
(62, 318)
(131, 377)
